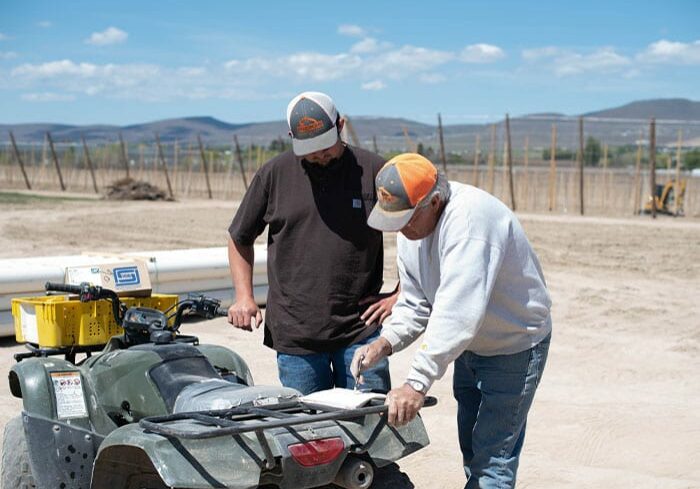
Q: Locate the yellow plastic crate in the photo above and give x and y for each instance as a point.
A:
(57, 321)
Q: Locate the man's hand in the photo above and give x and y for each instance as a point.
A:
(368, 355)
(242, 311)
(380, 307)
(404, 404)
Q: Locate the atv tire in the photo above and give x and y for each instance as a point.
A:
(16, 471)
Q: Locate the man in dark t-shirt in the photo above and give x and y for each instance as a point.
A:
(324, 262)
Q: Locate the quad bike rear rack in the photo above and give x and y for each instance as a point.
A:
(255, 418)
(244, 419)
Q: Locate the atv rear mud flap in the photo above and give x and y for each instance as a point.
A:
(247, 459)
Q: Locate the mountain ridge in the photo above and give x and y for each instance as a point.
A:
(388, 130)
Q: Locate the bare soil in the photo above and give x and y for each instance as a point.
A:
(619, 405)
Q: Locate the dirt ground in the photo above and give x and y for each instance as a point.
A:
(619, 405)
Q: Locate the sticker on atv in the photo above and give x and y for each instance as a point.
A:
(68, 389)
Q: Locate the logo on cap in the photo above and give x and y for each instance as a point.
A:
(384, 196)
(308, 124)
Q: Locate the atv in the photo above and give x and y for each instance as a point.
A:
(156, 409)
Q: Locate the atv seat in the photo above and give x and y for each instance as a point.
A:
(215, 394)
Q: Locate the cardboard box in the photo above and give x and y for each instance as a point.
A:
(125, 278)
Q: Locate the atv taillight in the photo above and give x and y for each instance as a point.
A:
(317, 452)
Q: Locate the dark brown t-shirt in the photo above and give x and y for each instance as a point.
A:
(322, 257)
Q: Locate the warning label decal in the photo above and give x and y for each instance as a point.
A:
(68, 389)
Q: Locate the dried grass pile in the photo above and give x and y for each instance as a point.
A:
(130, 189)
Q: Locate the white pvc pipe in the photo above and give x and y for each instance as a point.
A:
(204, 270)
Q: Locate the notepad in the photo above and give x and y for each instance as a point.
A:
(342, 398)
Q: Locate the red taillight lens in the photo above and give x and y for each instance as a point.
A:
(317, 452)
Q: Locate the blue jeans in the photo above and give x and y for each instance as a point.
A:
(320, 371)
(494, 395)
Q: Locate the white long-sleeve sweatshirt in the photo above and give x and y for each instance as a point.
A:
(473, 284)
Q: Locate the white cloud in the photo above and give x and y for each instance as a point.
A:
(406, 61)
(351, 30)
(374, 85)
(665, 51)
(3, 37)
(54, 69)
(541, 53)
(432, 78)
(481, 53)
(47, 97)
(111, 35)
(44, 24)
(306, 65)
(7, 55)
(131, 81)
(191, 71)
(369, 45)
(604, 60)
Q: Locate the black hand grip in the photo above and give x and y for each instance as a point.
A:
(430, 401)
(71, 289)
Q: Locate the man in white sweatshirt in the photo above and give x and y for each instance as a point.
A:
(471, 283)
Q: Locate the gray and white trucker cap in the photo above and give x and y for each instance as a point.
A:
(311, 117)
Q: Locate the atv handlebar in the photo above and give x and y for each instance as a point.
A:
(89, 293)
(70, 289)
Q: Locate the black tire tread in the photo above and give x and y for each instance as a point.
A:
(16, 472)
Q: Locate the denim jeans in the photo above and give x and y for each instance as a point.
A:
(494, 395)
(320, 371)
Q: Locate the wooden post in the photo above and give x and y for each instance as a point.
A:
(55, 161)
(125, 158)
(374, 144)
(258, 162)
(605, 174)
(652, 165)
(526, 163)
(509, 157)
(204, 164)
(163, 163)
(351, 130)
(88, 160)
(19, 160)
(411, 147)
(492, 160)
(477, 154)
(580, 163)
(677, 185)
(443, 157)
(553, 170)
(637, 177)
(190, 167)
(176, 163)
(239, 157)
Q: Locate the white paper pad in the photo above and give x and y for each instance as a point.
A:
(342, 398)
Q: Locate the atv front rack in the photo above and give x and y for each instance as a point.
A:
(244, 419)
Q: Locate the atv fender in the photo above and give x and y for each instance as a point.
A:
(230, 363)
(31, 381)
(129, 453)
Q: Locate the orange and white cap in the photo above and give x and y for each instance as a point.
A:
(401, 184)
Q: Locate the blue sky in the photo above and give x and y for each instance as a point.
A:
(131, 61)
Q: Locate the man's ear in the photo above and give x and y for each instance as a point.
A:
(341, 125)
(435, 202)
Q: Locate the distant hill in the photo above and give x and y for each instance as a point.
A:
(672, 108)
(389, 132)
